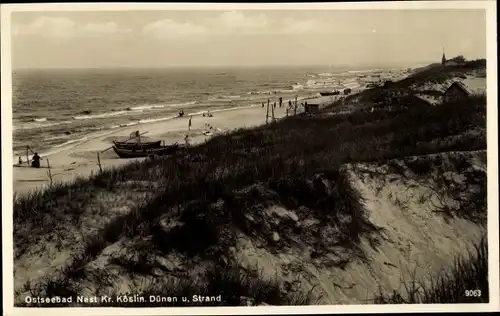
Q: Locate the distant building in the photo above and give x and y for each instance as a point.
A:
(452, 62)
(388, 84)
(455, 92)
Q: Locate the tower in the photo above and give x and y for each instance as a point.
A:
(443, 59)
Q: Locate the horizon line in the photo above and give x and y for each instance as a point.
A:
(233, 66)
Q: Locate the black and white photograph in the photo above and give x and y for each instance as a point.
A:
(264, 156)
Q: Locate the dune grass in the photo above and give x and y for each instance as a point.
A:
(434, 74)
(466, 281)
(201, 185)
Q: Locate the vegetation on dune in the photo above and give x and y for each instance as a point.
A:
(211, 188)
(433, 74)
(439, 73)
(465, 282)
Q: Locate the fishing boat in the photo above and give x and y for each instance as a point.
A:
(328, 93)
(134, 153)
(137, 145)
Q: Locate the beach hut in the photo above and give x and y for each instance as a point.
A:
(388, 84)
(456, 91)
(312, 108)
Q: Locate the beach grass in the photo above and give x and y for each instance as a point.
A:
(203, 187)
(465, 281)
(432, 75)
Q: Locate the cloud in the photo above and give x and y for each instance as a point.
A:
(100, 28)
(304, 26)
(168, 28)
(231, 22)
(235, 23)
(47, 26)
(61, 27)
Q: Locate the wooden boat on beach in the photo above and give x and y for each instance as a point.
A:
(329, 93)
(137, 153)
(137, 145)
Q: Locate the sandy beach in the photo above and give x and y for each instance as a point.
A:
(81, 159)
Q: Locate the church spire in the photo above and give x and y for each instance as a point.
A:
(443, 60)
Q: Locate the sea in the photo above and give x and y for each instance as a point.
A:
(54, 108)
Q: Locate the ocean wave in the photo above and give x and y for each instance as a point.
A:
(41, 119)
(260, 93)
(41, 124)
(58, 137)
(72, 141)
(132, 110)
(129, 124)
(364, 71)
(161, 106)
(156, 119)
(224, 98)
(102, 115)
(352, 85)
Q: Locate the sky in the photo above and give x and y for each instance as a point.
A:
(146, 39)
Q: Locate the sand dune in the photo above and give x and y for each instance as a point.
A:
(402, 198)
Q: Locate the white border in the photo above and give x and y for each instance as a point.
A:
(492, 156)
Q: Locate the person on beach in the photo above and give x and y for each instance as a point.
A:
(186, 139)
(19, 160)
(262, 104)
(281, 101)
(181, 113)
(190, 118)
(274, 104)
(289, 103)
(36, 161)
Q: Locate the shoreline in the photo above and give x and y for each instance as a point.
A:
(71, 143)
(80, 158)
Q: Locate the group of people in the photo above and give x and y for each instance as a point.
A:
(35, 161)
(280, 103)
(290, 104)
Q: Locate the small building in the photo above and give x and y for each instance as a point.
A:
(388, 84)
(457, 61)
(311, 108)
(455, 92)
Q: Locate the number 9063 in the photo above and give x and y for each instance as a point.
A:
(473, 293)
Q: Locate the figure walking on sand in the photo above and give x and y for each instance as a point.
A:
(36, 161)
